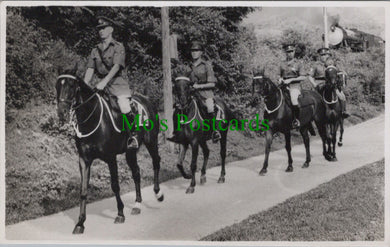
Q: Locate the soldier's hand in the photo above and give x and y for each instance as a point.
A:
(100, 86)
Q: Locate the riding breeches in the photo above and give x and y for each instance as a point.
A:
(124, 104)
(295, 91)
(209, 102)
(341, 95)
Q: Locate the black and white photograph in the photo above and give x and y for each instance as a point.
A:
(195, 123)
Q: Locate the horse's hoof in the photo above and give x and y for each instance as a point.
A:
(78, 230)
(305, 165)
(289, 169)
(135, 211)
(202, 179)
(159, 196)
(263, 172)
(221, 180)
(340, 144)
(327, 157)
(190, 190)
(119, 219)
(333, 159)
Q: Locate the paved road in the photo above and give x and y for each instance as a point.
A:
(213, 206)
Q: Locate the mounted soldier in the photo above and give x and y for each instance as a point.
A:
(203, 79)
(317, 76)
(291, 74)
(107, 62)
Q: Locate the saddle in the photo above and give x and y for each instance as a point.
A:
(203, 108)
(135, 105)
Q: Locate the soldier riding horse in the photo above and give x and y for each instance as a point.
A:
(278, 111)
(98, 137)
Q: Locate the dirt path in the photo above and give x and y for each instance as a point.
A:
(212, 206)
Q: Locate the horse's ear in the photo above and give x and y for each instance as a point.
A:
(75, 68)
(59, 70)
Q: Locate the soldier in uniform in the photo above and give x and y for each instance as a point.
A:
(202, 76)
(317, 75)
(107, 61)
(291, 74)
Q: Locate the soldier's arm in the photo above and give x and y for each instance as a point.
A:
(301, 73)
(211, 80)
(118, 61)
(311, 76)
(90, 67)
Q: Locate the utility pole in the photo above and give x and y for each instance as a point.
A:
(326, 39)
(167, 77)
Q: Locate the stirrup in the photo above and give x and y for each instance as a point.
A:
(296, 123)
(216, 136)
(132, 142)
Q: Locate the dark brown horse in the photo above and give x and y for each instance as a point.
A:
(333, 106)
(193, 131)
(98, 137)
(278, 112)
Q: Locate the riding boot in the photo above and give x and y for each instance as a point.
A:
(216, 136)
(295, 110)
(344, 108)
(132, 141)
(174, 136)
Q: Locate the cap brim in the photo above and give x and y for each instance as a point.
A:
(102, 25)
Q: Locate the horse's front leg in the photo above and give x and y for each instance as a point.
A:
(182, 155)
(328, 155)
(153, 151)
(223, 156)
(287, 137)
(306, 141)
(85, 172)
(131, 158)
(334, 139)
(340, 143)
(113, 167)
(206, 153)
(268, 143)
(195, 150)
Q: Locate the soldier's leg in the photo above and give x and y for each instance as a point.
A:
(294, 93)
(124, 106)
(212, 112)
(343, 101)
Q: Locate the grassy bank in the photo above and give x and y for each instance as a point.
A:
(348, 208)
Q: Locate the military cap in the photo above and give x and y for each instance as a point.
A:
(289, 47)
(323, 51)
(196, 46)
(104, 22)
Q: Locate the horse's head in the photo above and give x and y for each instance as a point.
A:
(183, 90)
(67, 86)
(262, 85)
(331, 76)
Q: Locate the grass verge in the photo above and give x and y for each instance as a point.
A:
(348, 208)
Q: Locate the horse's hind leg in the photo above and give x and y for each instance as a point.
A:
(322, 131)
(85, 172)
(306, 141)
(131, 157)
(153, 151)
(195, 150)
(206, 153)
(223, 156)
(287, 137)
(340, 143)
(113, 166)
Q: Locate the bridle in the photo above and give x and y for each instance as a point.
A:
(268, 95)
(323, 93)
(188, 104)
(74, 108)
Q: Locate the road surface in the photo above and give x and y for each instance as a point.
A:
(213, 206)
